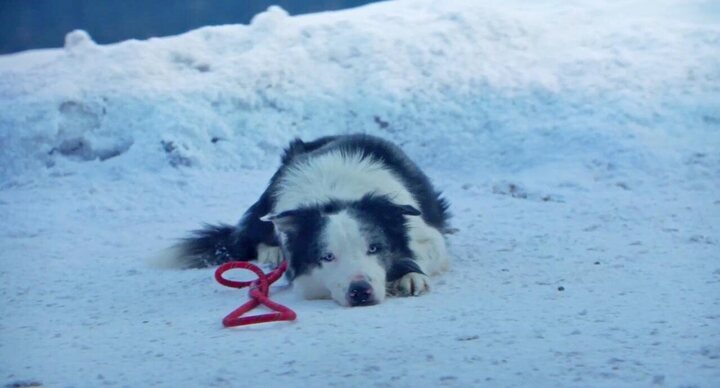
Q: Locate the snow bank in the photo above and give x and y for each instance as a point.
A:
(577, 144)
(472, 84)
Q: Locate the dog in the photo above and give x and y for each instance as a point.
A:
(354, 217)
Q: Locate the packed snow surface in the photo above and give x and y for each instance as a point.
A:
(578, 142)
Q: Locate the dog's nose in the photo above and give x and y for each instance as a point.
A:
(360, 293)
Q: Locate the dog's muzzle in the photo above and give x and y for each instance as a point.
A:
(360, 293)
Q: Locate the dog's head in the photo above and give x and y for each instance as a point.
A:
(343, 249)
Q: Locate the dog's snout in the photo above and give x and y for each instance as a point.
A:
(360, 293)
(359, 277)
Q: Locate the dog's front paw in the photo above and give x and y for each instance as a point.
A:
(412, 283)
(268, 254)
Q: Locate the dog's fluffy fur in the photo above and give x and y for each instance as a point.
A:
(353, 215)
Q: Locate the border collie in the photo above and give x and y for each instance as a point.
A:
(353, 215)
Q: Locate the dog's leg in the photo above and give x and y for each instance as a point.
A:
(428, 246)
(410, 277)
(269, 254)
(406, 278)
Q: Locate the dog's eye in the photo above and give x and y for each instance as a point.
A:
(374, 248)
(328, 257)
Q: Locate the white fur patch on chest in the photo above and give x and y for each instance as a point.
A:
(338, 175)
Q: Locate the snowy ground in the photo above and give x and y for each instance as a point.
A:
(579, 146)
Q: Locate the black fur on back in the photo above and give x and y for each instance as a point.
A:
(299, 147)
(434, 208)
(215, 245)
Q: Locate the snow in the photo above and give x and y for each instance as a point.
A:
(577, 142)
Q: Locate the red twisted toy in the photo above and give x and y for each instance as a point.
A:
(258, 293)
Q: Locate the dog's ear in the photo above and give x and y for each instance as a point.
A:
(284, 222)
(408, 210)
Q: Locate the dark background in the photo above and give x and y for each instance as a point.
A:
(29, 24)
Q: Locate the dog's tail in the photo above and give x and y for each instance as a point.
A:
(217, 244)
(210, 246)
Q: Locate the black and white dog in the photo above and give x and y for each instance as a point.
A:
(353, 215)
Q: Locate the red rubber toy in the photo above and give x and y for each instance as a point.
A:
(259, 294)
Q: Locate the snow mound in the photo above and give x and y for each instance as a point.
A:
(576, 141)
(518, 85)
